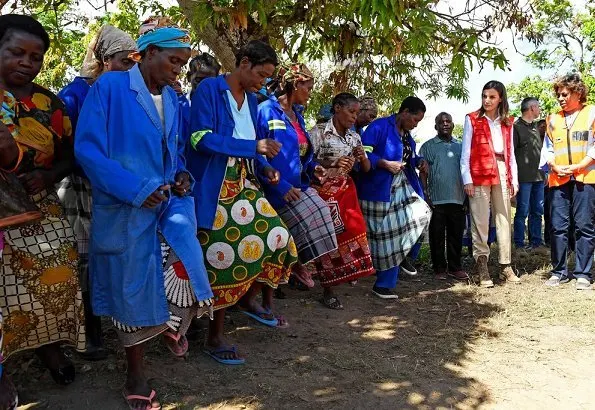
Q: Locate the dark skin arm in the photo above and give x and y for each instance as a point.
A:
(360, 156)
(9, 151)
(423, 176)
(40, 179)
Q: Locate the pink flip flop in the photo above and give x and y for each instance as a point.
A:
(148, 399)
(176, 349)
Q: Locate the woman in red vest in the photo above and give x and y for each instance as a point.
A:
(489, 173)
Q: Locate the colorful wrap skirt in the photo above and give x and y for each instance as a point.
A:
(395, 227)
(40, 297)
(248, 241)
(310, 222)
(352, 259)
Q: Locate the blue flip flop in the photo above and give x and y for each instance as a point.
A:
(267, 322)
(225, 349)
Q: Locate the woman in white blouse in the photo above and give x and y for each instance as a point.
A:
(489, 173)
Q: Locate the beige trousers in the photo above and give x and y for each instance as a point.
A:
(499, 198)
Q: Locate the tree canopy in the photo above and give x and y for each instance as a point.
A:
(386, 48)
(563, 38)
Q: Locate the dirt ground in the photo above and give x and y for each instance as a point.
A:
(442, 345)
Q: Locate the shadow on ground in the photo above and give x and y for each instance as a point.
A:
(404, 354)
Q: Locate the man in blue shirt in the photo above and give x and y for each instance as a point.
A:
(443, 189)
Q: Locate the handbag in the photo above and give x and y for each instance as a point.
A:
(16, 207)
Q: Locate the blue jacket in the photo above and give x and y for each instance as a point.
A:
(73, 96)
(295, 171)
(212, 143)
(381, 140)
(121, 145)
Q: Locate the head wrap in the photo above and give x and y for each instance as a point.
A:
(367, 103)
(154, 22)
(24, 23)
(294, 74)
(164, 37)
(108, 41)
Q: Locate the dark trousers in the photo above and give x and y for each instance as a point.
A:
(447, 223)
(547, 209)
(573, 202)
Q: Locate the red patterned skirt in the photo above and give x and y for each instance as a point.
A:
(352, 259)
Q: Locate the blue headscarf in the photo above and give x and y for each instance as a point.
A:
(164, 37)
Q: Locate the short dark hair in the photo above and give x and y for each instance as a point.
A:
(258, 53)
(412, 104)
(204, 60)
(542, 121)
(343, 100)
(439, 116)
(10, 23)
(526, 103)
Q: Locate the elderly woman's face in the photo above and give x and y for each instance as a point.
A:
(21, 58)
(568, 100)
(119, 61)
(165, 65)
(302, 92)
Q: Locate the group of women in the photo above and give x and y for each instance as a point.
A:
(165, 207)
(183, 205)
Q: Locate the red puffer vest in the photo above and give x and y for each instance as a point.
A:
(482, 162)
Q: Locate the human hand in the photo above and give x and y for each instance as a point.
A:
(182, 184)
(571, 169)
(346, 163)
(292, 195)
(37, 180)
(268, 147)
(394, 167)
(514, 191)
(560, 170)
(423, 166)
(272, 175)
(157, 197)
(469, 190)
(320, 173)
(359, 153)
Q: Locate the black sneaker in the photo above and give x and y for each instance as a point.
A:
(407, 267)
(384, 293)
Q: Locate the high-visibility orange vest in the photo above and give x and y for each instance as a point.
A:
(571, 145)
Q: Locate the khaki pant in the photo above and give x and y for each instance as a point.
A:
(499, 198)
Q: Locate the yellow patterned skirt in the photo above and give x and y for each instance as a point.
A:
(40, 297)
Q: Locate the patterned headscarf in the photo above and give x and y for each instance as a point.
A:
(367, 103)
(154, 22)
(294, 74)
(108, 41)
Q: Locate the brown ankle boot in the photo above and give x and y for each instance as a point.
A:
(481, 267)
(508, 275)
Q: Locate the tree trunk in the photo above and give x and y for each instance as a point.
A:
(209, 35)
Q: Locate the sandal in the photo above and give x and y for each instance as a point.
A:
(282, 323)
(177, 349)
(258, 316)
(148, 399)
(332, 303)
(216, 355)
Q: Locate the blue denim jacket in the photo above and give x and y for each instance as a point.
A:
(121, 144)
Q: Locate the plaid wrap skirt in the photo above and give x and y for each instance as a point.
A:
(395, 227)
(310, 223)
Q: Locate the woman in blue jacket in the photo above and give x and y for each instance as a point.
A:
(129, 146)
(247, 247)
(391, 195)
(108, 51)
(306, 214)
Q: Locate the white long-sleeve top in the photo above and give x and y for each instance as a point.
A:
(497, 142)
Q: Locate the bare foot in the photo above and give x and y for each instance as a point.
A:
(139, 387)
